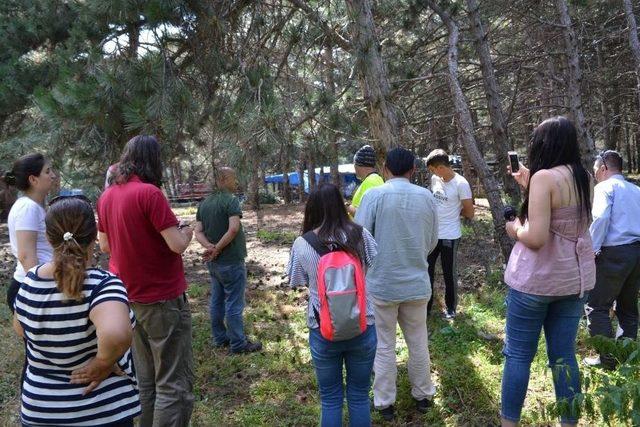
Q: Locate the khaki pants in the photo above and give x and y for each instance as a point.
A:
(164, 362)
(412, 317)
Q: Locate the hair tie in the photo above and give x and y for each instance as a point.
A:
(67, 236)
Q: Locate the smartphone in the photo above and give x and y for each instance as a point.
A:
(514, 161)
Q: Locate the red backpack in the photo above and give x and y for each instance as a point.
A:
(341, 290)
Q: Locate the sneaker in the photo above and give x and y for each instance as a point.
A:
(249, 347)
(604, 362)
(423, 405)
(387, 413)
(450, 314)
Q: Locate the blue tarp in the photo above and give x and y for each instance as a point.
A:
(346, 172)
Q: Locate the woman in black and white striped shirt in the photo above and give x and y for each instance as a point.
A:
(78, 328)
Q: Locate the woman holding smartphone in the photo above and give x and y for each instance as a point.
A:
(551, 268)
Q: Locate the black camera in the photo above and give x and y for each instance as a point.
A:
(510, 213)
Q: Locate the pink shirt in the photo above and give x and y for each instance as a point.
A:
(565, 265)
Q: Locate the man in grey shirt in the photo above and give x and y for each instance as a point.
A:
(403, 220)
(615, 232)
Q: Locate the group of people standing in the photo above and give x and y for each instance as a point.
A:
(398, 229)
(103, 347)
(577, 248)
(79, 322)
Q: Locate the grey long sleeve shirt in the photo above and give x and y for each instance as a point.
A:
(403, 220)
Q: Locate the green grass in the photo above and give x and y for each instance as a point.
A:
(285, 238)
(278, 387)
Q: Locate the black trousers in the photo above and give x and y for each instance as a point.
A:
(617, 279)
(447, 250)
(12, 293)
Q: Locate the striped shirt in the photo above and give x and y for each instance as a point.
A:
(59, 339)
(303, 267)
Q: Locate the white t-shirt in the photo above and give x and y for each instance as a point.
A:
(449, 196)
(27, 215)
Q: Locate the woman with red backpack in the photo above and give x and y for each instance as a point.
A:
(330, 258)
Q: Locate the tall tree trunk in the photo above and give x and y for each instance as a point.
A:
(311, 167)
(253, 166)
(383, 119)
(587, 145)
(300, 167)
(604, 101)
(501, 143)
(330, 86)
(286, 187)
(633, 41)
(465, 124)
(616, 117)
(134, 40)
(627, 145)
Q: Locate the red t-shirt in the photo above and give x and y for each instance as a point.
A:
(132, 215)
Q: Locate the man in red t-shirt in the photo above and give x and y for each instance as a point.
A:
(137, 227)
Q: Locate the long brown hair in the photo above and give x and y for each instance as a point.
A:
(71, 230)
(141, 157)
(554, 142)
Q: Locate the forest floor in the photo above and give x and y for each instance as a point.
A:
(277, 386)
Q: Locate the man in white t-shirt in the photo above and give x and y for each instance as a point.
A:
(454, 198)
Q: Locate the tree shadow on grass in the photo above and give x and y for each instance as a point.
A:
(468, 368)
(272, 387)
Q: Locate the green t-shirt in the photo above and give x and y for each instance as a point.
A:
(214, 213)
(371, 181)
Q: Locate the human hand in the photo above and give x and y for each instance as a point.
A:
(522, 176)
(210, 254)
(512, 228)
(93, 373)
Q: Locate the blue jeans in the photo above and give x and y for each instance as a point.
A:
(228, 282)
(526, 315)
(357, 355)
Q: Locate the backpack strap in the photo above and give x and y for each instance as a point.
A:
(316, 244)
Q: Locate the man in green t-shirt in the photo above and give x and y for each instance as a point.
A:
(219, 230)
(364, 162)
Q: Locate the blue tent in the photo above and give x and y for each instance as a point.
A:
(347, 173)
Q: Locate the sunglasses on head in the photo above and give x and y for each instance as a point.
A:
(74, 196)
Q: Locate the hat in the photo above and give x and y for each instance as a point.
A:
(365, 156)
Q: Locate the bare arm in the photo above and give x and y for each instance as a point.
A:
(113, 330)
(17, 327)
(103, 241)
(177, 239)
(468, 210)
(27, 253)
(351, 210)
(536, 232)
